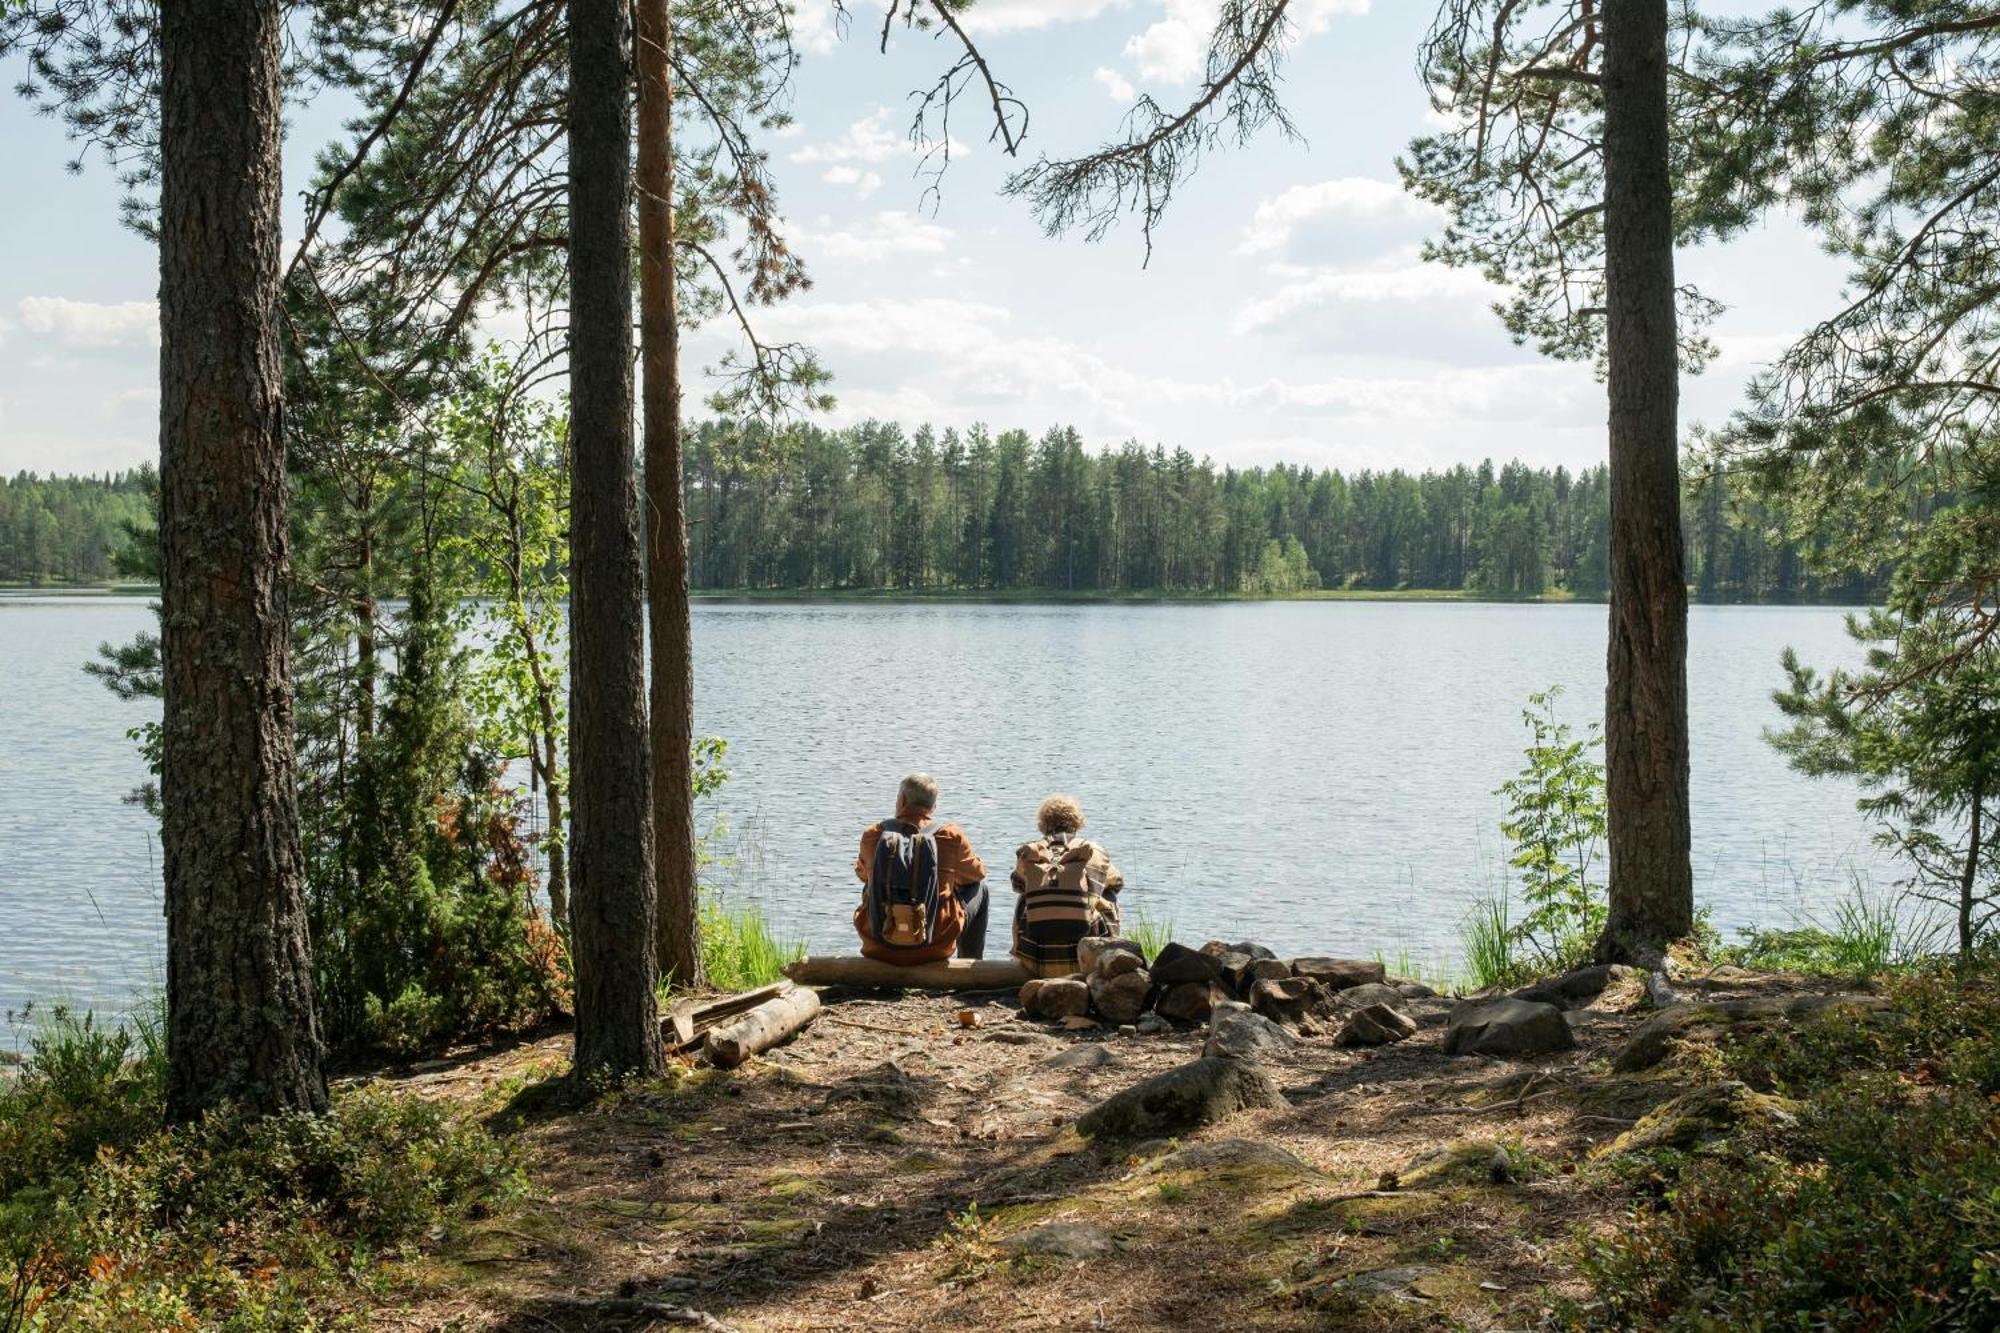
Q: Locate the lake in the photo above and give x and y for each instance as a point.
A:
(1317, 776)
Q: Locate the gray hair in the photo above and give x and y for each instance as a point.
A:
(918, 790)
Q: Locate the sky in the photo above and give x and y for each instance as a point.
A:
(1285, 314)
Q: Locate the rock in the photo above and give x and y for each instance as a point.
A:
(1064, 1240)
(1062, 997)
(1235, 1032)
(1116, 963)
(1030, 989)
(1367, 993)
(1092, 947)
(1340, 973)
(1088, 1056)
(1254, 950)
(1152, 1025)
(1178, 965)
(1188, 1002)
(1413, 990)
(1429, 1013)
(1655, 1038)
(1507, 1026)
(1120, 997)
(1376, 1025)
(1705, 1115)
(1128, 1029)
(1216, 949)
(1572, 989)
(1399, 1281)
(1182, 1099)
(1264, 969)
(1227, 1155)
(1080, 1023)
(1288, 1000)
(1015, 1037)
(1233, 966)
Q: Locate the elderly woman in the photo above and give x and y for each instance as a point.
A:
(1068, 890)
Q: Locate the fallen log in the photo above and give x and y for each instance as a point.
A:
(688, 1020)
(730, 1044)
(952, 974)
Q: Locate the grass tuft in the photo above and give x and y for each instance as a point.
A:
(1486, 940)
(739, 950)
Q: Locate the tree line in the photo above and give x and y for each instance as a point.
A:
(68, 529)
(875, 507)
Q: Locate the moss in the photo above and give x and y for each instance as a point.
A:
(792, 1185)
(1702, 1116)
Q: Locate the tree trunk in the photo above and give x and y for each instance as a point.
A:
(1968, 884)
(1645, 726)
(240, 1022)
(672, 713)
(611, 873)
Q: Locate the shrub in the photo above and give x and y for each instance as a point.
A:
(739, 951)
(1556, 821)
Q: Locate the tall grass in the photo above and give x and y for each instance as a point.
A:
(1486, 942)
(1405, 966)
(1866, 936)
(739, 950)
(1151, 936)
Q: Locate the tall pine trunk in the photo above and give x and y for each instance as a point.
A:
(240, 1022)
(1645, 727)
(672, 699)
(611, 852)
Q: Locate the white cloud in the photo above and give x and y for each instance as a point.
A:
(1116, 84)
(1025, 15)
(1347, 200)
(868, 139)
(81, 325)
(890, 234)
(1174, 49)
(1409, 284)
(864, 183)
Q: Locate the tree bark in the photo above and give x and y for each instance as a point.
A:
(611, 873)
(672, 698)
(240, 1022)
(730, 1044)
(1645, 726)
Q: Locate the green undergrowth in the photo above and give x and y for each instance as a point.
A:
(739, 948)
(1873, 1204)
(110, 1221)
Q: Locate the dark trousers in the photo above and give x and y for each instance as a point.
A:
(972, 939)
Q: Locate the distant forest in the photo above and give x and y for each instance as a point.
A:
(875, 508)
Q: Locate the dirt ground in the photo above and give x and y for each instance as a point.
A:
(892, 1169)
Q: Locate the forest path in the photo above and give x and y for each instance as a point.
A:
(892, 1169)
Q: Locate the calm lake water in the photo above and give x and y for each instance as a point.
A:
(1316, 776)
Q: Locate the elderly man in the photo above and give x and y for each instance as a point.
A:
(925, 891)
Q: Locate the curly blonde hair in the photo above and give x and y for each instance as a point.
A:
(1059, 814)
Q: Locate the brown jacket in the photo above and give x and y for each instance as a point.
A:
(957, 866)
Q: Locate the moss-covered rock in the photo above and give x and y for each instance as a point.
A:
(1185, 1098)
(1658, 1035)
(1704, 1115)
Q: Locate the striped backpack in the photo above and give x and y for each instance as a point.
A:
(1065, 897)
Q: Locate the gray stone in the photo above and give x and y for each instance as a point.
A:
(1254, 950)
(1340, 973)
(1090, 1056)
(1182, 1099)
(1121, 997)
(1090, 948)
(1116, 963)
(1398, 1282)
(1367, 993)
(1264, 969)
(1177, 965)
(1064, 1240)
(1152, 1025)
(1288, 1000)
(1507, 1026)
(1189, 1002)
(1233, 965)
(1414, 990)
(1376, 1025)
(1235, 1032)
(1062, 997)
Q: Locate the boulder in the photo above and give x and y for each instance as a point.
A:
(1340, 973)
(1121, 996)
(1151, 1025)
(1116, 963)
(1288, 1000)
(1178, 965)
(1061, 997)
(1254, 950)
(1263, 969)
(1188, 1002)
(1216, 949)
(1507, 1026)
(1376, 1025)
(1413, 990)
(1182, 1099)
(1064, 1240)
(1656, 1037)
(1090, 948)
(1367, 993)
(1706, 1114)
(1236, 1032)
(1580, 987)
(1233, 966)
(1029, 991)
(1089, 1055)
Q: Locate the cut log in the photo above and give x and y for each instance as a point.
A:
(952, 974)
(689, 1019)
(730, 1044)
